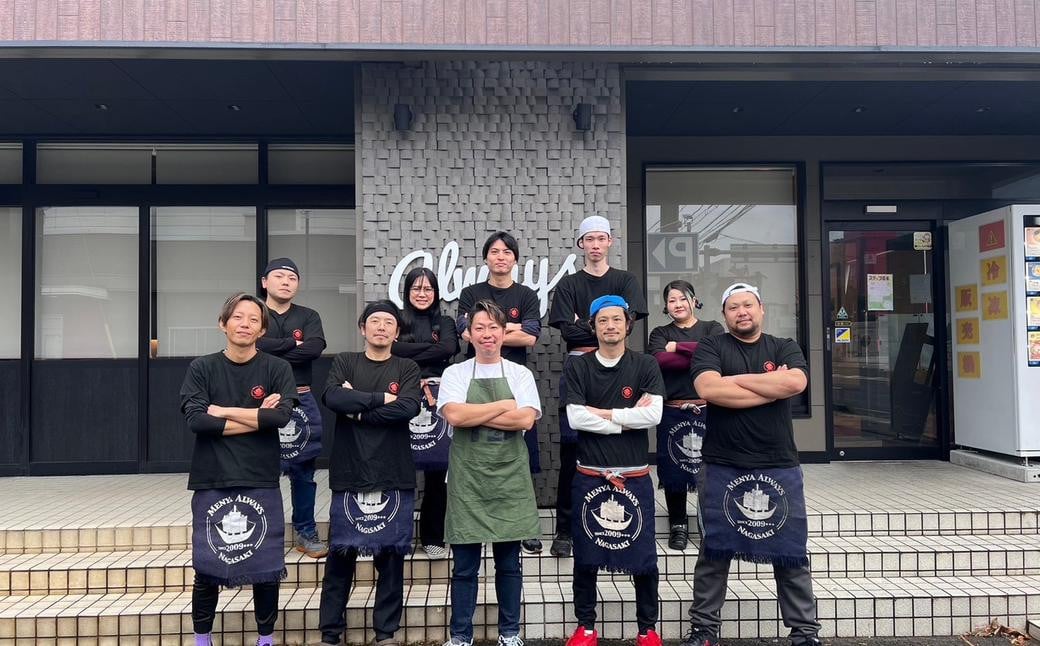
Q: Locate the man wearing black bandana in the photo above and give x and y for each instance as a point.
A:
(613, 397)
(295, 334)
(751, 501)
(371, 473)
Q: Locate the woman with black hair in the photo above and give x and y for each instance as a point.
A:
(682, 426)
(428, 338)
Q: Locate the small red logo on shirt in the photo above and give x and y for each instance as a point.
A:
(769, 366)
(627, 392)
(393, 387)
(514, 313)
(298, 335)
(258, 392)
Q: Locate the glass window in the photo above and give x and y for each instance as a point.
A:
(715, 226)
(323, 243)
(310, 164)
(11, 282)
(93, 163)
(86, 297)
(201, 255)
(206, 164)
(10, 163)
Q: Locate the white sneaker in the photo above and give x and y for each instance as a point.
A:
(436, 552)
(512, 640)
(455, 641)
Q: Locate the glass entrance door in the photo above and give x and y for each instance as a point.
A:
(886, 340)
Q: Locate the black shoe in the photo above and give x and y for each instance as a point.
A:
(806, 641)
(678, 537)
(531, 546)
(700, 637)
(561, 546)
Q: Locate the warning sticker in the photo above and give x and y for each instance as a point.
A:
(843, 335)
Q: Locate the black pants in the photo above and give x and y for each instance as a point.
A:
(204, 598)
(568, 467)
(434, 506)
(585, 598)
(793, 591)
(335, 589)
(676, 503)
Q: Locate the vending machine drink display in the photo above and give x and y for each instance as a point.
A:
(995, 318)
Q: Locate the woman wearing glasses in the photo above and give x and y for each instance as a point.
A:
(429, 339)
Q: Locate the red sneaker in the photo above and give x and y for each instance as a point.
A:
(651, 638)
(583, 637)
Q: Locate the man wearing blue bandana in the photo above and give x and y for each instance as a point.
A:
(614, 396)
(751, 501)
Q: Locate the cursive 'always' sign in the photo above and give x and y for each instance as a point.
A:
(452, 279)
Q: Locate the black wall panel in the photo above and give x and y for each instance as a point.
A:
(84, 415)
(11, 439)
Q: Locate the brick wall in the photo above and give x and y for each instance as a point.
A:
(532, 23)
(492, 146)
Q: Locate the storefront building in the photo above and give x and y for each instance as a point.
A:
(155, 155)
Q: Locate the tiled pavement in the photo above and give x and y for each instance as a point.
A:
(904, 548)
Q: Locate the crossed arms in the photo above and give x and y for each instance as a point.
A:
(502, 415)
(748, 391)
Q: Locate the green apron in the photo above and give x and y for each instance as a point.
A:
(490, 492)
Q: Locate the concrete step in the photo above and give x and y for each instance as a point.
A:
(860, 557)
(852, 607)
(140, 534)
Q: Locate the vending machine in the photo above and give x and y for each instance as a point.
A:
(995, 320)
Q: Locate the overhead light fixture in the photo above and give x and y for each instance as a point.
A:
(402, 116)
(582, 116)
(101, 106)
(234, 107)
(859, 109)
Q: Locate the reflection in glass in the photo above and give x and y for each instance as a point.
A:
(719, 225)
(883, 370)
(323, 244)
(11, 282)
(200, 255)
(86, 298)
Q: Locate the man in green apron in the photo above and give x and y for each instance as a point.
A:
(490, 401)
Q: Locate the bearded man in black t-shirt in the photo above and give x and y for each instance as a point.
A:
(371, 473)
(571, 300)
(751, 500)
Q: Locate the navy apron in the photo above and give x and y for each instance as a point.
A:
(238, 536)
(755, 515)
(300, 439)
(679, 438)
(372, 522)
(614, 523)
(430, 433)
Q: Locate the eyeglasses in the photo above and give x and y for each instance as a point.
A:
(421, 290)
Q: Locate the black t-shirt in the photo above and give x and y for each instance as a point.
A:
(575, 292)
(677, 382)
(519, 302)
(284, 330)
(759, 437)
(371, 448)
(247, 459)
(431, 346)
(590, 383)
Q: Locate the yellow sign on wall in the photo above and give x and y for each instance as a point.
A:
(994, 306)
(993, 271)
(969, 365)
(968, 331)
(967, 298)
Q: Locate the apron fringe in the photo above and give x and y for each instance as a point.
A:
(247, 579)
(367, 550)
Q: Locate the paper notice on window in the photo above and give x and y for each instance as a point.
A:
(880, 292)
(1033, 241)
(1033, 311)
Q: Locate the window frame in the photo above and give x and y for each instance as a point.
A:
(801, 406)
